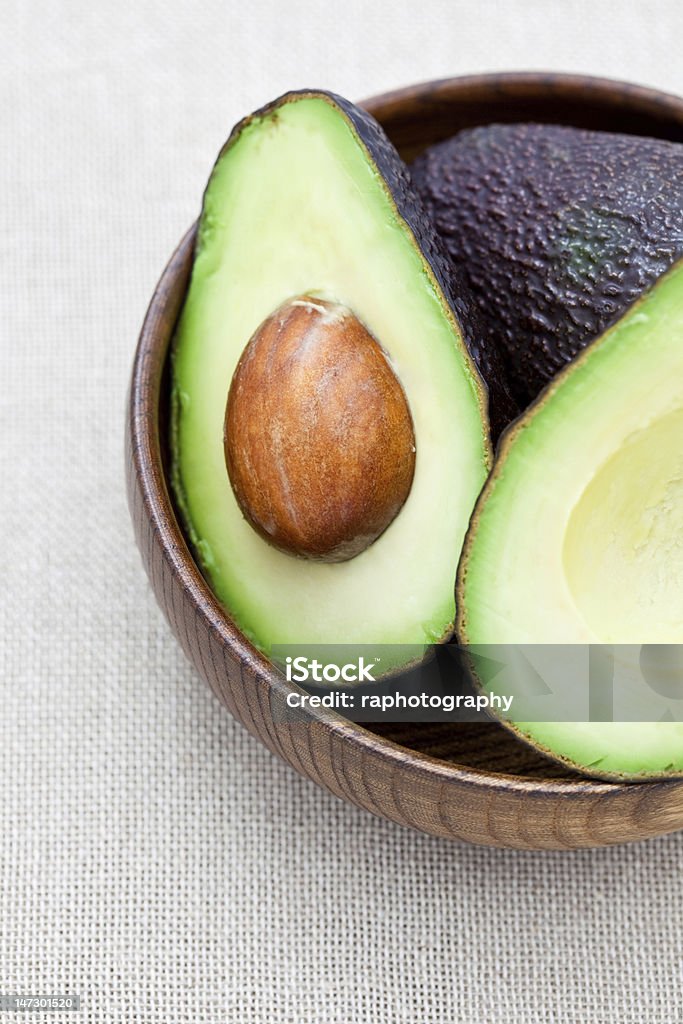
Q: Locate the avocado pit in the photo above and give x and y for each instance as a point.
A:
(319, 440)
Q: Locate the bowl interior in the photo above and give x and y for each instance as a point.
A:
(415, 118)
(420, 115)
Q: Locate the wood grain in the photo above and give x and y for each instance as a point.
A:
(468, 782)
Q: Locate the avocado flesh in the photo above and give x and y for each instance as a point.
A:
(555, 232)
(576, 537)
(309, 197)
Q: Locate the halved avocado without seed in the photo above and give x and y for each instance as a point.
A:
(329, 430)
(577, 537)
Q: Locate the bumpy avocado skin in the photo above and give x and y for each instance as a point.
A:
(554, 232)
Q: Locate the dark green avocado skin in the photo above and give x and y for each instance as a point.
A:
(553, 232)
(501, 407)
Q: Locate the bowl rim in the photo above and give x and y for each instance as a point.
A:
(150, 361)
(615, 92)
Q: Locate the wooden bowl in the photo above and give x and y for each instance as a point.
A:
(469, 782)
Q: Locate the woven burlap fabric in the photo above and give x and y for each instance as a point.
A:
(153, 857)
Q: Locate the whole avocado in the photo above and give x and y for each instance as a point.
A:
(554, 232)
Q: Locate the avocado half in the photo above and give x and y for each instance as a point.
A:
(577, 537)
(308, 197)
(554, 232)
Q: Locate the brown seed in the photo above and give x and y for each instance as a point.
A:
(319, 441)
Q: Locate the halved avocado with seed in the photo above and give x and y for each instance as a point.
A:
(577, 537)
(329, 429)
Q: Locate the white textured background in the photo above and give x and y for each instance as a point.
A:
(153, 857)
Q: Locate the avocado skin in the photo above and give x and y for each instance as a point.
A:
(502, 408)
(554, 232)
